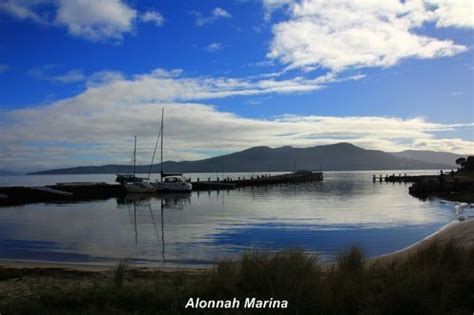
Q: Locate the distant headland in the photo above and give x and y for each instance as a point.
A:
(334, 157)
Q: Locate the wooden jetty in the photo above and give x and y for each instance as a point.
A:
(260, 180)
(456, 186)
(400, 178)
(84, 191)
(61, 192)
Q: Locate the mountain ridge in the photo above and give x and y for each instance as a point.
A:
(334, 157)
(429, 156)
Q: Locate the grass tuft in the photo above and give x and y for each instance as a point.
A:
(119, 272)
(436, 280)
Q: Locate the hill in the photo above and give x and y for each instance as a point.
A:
(335, 157)
(430, 156)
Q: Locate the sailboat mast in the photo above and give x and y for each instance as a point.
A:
(161, 153)
(134, 155)
(154, 152)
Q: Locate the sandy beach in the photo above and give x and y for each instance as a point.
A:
(461, 232)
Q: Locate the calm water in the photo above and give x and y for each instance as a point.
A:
(199, 228)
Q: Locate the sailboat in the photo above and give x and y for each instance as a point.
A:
(132, 183)
(129, 178)
(170, 182)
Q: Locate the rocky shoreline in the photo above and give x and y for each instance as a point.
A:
(456, 186)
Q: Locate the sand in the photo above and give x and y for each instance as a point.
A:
(461, 232)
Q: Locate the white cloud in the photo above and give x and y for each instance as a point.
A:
(104, 77)
(342, 34)
(213, 47)
(23, 9)
(95, 127)
(95, 20)
(271, 5)
(449, 13)
(153, 17)
(445, 145)
(216, 14)
(221, 13)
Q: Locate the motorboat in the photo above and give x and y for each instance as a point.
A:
(173, 183)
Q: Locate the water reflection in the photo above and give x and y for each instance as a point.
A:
(171, 201)
(202, 227)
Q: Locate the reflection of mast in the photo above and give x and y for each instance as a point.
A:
(169, 201)
(135, 221)
(153, 221)
(162, 233)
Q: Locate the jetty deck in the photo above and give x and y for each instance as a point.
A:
(401, 178)
(84, 191)
(456, 186)
(261, 180)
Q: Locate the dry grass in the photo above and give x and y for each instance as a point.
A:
(436, 280)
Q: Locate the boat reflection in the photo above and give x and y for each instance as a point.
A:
(169, 201)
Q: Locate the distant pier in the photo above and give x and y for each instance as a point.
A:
(457, 186)
(400, 178)
(260, 180)
(83, 191)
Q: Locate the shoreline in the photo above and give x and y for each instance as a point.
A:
(42, 265)
(461, 232)
(26, 287)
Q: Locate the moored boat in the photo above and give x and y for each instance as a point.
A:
(140, 187)
(170, 182)
(167, 182)
(131, 182)
(173, 183)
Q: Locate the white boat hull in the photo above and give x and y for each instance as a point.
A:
(140, 187)
(173, 186)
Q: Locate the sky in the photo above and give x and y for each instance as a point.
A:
(80, 78)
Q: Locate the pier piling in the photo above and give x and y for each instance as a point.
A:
(73, 192)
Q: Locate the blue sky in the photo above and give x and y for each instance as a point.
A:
(80, 78)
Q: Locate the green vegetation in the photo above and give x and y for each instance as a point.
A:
(119, 272)
(454, 186)
(436, 280)
(466, 164)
